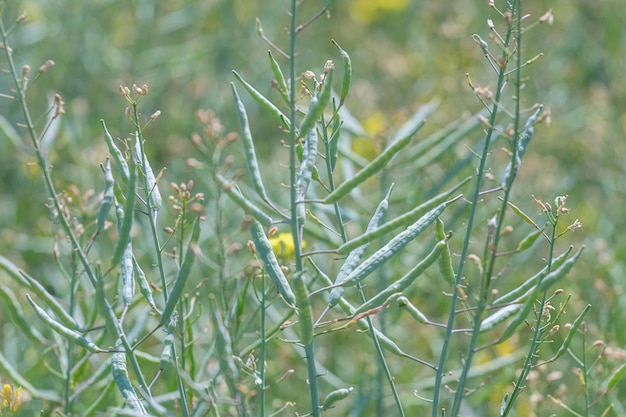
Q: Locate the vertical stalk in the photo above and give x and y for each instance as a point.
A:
(295, 222)
(464, 252)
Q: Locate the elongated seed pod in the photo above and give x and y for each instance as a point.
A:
(167, 351)
(303, 304)
(317, 105)
(183, 274)
(560, 272)
(347, 73)
(499, 316)
(127, 223)
(334, 396)
(110, 320)
(144, 286)
(412, 310)
(52, 303)
(154, 195)
(404, 219)
(235, 195)
(333, 143)
(223, 342)
(279, 77)
(571, 333)
(528, 240)
(522, 144)
(373, 167)
(522, 289)
(520, 317)
(122, 165)
(404, 282)
(392, 247)
(445, 261)
(107, 196)
(264, 102)
(248, 144)
(66, 332)
(264, 249)
(127, 272)
(354, 257)
(309, 155)
(16, 315)
(120, 376)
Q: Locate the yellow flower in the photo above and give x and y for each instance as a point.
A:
(282, 244)
(11, 400)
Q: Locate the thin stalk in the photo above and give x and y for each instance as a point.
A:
(464, 252)
(295, 222)
(488, 271)
(263, 351)
(536, 339)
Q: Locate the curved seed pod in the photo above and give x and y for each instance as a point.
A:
(522, 143)
(412, 310)
(404, 219)
(280, 78)
(445, 262)
(334, 396)
(16, 315)
(264, 102)
(107, 197)
(347, 73)
(570, 334)
(303, 304)
(248, 207)
(52, 303)
(374, 166)
(392, 247)
(317, 105)
(64, 331)
(154, 195)
(120, 160)
(120, 376)
(560, 272)
(522, 289)
(264, 249)
(403, 283)
(248, 145)
(528, 240)
(499, 316)
(354, 257)
(127, 271)
(144, 286)
(127, 223)
(520, 317)
(183, 274)
(309, 155)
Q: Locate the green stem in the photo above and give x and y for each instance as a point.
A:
(295, 222)
(464, 252)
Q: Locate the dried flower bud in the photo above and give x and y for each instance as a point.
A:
(46, 66)
(490, 24)
(144, 90)
(155, 115)
(328, 66)
(506, 230)
(251, 247)
(21, 17)
(58, 106)
(272, 231)
(168, 230)
(128, 112)
(309, 75)
(25, 70)
(547, 17)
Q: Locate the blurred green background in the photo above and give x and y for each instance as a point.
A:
(405, 53)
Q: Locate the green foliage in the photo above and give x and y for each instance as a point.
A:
(432, 101)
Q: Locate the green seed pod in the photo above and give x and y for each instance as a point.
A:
(303, 304)
(235, 195)
(66, 332)
(107, 197)
(334, 396)
(404, 303)
(264, 102)
(127, 222)
(347, 73)
(499, 316)
(183, 274)
(438, 201)
(264, 249)
(120, 160)
(279, 77)
(120, 376)
(404, 282)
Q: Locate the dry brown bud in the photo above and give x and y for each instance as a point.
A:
(21, 17)
(155, 115)
(46, 66)
(25, 70)
(309, 75)
(251, 247)
(272, 231)
(144, 90)
(547, 17)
